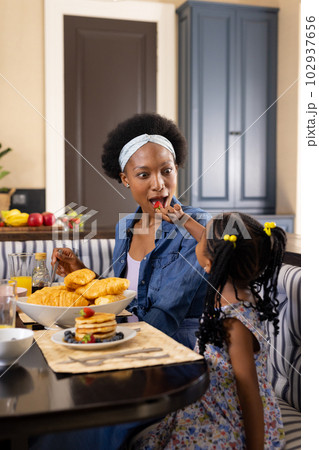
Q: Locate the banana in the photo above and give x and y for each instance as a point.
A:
(17, 220)
(6, 214)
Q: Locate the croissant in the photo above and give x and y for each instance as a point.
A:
(109, 299)
(57, 297)
(79, 278)
(100, 288)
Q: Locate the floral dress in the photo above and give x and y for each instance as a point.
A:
(215, 421)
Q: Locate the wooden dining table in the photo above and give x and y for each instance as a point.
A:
(35, 400)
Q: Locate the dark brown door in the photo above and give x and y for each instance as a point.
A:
(109, 74)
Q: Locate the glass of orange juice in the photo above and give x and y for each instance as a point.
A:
(8, 297)
(21, 266)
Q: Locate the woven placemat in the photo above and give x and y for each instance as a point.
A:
(124, 313)
(147, 337)
(25, 318)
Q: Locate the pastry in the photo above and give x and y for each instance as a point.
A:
(116, 285)
(79, 278)
(57, 297)
(92, 290)
(109, 299)
(105, 286)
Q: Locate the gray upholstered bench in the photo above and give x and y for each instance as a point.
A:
(95, 253)
(284, 364)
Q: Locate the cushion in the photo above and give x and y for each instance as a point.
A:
(96, 254)
(284, 362)
(292, 425)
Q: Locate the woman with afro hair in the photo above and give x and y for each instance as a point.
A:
(158, 257)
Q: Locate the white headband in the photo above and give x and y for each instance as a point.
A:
(134, 144)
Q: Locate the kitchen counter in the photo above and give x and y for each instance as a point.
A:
(293, 250)
(45, 233)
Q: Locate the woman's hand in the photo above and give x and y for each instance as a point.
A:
(68, 261)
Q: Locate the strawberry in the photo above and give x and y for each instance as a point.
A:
(87, 312)
(158, 205)
(88, 339)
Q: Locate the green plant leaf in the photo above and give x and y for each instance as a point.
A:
(3, 173)
(4, 152)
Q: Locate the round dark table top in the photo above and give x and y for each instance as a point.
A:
(34, 399)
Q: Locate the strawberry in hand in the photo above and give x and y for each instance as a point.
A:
(87, 312)
(158, 205)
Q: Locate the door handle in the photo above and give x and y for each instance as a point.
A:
(235, 133)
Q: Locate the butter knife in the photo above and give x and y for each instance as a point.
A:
(112, 355)
(99, 362)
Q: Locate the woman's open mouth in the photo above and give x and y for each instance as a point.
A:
(159, 201)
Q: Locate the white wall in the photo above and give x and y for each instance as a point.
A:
(22, 65)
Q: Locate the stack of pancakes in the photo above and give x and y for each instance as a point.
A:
(100, 325)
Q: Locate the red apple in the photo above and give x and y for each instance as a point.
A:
(48, 219)
(35, 220)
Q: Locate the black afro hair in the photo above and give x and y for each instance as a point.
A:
(149, 123)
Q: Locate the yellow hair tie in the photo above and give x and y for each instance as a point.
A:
(268, 226)
(232, 238)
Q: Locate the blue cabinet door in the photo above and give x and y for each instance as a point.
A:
(227, 80)
(256, 44)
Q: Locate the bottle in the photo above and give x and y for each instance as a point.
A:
(40, 274)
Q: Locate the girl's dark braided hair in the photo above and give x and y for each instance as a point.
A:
(254, 262)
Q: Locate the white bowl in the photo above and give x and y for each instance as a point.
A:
(13, 343)
(48, 316)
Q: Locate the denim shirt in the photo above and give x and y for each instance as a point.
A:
(171, 283)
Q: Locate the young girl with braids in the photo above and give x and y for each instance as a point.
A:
(239, 409)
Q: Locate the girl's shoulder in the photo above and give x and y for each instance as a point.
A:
(248, 315)
(240, 310)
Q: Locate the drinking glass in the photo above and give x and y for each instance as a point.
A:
(21, 266)
(8, 298)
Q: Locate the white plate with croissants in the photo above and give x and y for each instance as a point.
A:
(60, 305)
